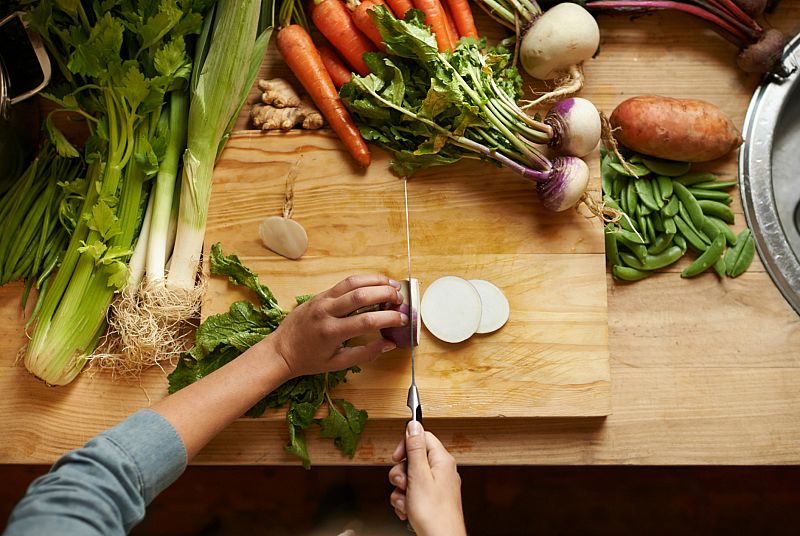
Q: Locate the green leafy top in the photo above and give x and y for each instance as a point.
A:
(223, 337)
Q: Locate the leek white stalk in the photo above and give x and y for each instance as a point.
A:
(224, 72)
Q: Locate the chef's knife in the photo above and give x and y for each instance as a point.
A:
(413, 394)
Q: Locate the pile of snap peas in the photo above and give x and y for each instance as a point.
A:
(666, 210)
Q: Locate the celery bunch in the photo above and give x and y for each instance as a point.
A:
(121, 59)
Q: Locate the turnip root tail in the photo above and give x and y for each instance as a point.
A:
(567, 85)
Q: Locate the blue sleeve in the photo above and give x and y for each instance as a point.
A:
(104, 487)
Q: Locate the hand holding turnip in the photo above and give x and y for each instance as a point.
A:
(310, 338)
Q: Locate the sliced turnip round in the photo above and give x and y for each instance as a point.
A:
(494, 306)
(406, 336)
(451, 309)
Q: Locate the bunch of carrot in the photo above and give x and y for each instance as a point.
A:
(352, 33)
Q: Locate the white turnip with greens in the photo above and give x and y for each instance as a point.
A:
(552, 44)
(465, 106)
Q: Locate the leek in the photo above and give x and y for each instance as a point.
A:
(235, 35)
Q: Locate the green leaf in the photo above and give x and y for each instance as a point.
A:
(102, 49)
(160, 24)
(170, 57)
(118, 274)
(344, 429)
(95, 250)
(241, 327)
(104, 221)
(297, 446)
(239, 274)
(133, 86)
(115, 254)
(63, 146)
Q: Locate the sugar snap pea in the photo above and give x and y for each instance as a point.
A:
(665, 185)
(631, 198)
(653, 262)
(683, 213)
(627, 273)
(707, 259)
(671, 208)
(669, 168)
(662, 242)
(690, 203)
(612, 250)
(714, 185)
(693, 178)
(669, 225)
(631, 236)
(645, 192)
(642, 221)
(724, 228)
(637, 169)
(715, 208)
(719, 267)
(709, 229)
(639, 250)
(714, 195)
(651, 230)
(739, 257)
(618, 184)
(688, 233)
(680, 241)
(658, 221)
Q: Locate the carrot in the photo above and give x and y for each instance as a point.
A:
(451, 26)
(364, 23)
(303, 59)
(435, 18)
(400, 7)
(462, 16)
(333, 20)
(338, 71)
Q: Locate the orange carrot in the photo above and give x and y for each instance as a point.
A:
(462, 16)
(303, 59)
(400, 7)
(364, 23)
(333, 20)
(435, 18)
(338, 71)
(451, 26)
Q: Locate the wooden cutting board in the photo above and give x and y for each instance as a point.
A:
(471, 220)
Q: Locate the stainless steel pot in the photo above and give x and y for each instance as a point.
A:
(24, 71)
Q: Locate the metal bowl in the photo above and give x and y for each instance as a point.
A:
(769, 174)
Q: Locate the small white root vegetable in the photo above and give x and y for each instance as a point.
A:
(494, 306)
(284, 236)
(565, 35)
(451, 309)
(406, 336)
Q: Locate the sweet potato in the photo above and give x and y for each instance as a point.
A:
(685, 130)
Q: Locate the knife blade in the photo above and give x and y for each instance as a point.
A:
(413, 393)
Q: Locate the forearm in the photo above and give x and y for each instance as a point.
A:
(203, 409)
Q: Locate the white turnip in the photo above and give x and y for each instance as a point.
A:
(494, 306)
(576, 126)
(451, 309)
(561, 37)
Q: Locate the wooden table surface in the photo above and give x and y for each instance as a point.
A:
(702, 371)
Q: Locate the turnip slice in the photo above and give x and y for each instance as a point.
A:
(494, 306)
(402, 336)
(451, 309)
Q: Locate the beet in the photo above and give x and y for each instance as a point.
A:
(754, 8)
(763, 56)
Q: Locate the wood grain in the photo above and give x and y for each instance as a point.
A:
(550, 359)
(704, 372)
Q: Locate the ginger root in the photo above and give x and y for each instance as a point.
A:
(279, 93)
(268, 117)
